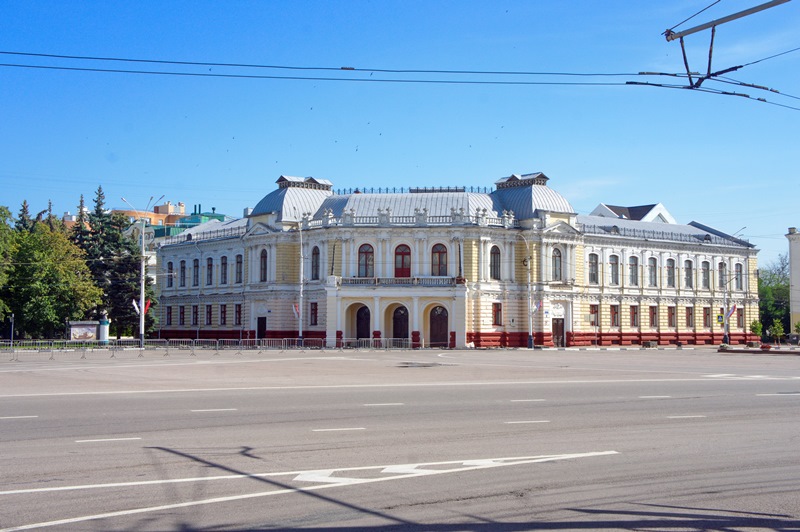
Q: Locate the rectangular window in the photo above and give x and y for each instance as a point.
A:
(497, 313)
(313, 313)
(223, 314)
(707, 317)
(209, 271)
(181, 315)
(195, 272)
(195, 313)
(705, 276)
(615, 315)
(239, 268)
(671, 317)
(169, 315)
(689, 317)
(740, 318)
(223, 270)
(634, 316)
(653, 317)
(237, 314)
(594, 315)
(208, 314)
(182, 277)
(170, 275)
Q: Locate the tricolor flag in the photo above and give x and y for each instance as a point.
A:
(730, 312)
(296, 310)
(537, 306)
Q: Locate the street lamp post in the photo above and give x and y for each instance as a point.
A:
(142, 268)
(527, 262)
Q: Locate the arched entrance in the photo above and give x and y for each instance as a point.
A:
(362, 323)
(438, 327)
(400, 323)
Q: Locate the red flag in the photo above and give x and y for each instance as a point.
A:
(146, 307)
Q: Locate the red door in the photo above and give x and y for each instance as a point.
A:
(402, 261)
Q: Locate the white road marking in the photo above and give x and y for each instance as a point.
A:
(683, 417)
(339, 429)
(371, 386)
(384, 404)
(528, 400)
(722, 375)
(18, 417)
(216, 410)
(107, 439)
(414, 471)
(322, 477)
(655, 397)
(795, 394)
(523, 422)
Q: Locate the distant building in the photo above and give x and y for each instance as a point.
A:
(450, 267)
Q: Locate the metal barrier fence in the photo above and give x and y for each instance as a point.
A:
(130, 348)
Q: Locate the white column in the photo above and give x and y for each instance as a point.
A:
(378, 317)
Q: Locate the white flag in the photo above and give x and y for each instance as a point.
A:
(136, 306)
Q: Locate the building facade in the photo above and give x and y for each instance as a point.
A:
(451, 268)
(794, 276)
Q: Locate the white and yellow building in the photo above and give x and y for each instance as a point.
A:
(449, 267)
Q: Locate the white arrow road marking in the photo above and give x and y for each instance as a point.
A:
(413, 471)
(318, 477)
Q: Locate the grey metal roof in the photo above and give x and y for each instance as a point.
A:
(290, 203)
(525, 201)
(437, 204)
(657, 230)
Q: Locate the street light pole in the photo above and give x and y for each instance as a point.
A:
(142, 268)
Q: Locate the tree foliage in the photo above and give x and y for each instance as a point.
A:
(48, 282)
(773, 292)
(114, 262)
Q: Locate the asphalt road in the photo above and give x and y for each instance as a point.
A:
(427, 440)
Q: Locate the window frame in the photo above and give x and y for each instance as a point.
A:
(170, 275)
(557, 264)
(209, 271)
(196, 272)
(494, 263)
(652, 272)
(633, 271)
(263, 262)
(614, 315)
(594, 268)
(239, 272)
(613, 265)
(366, 261)
(439, 260)
(313, 313)
(315, 263)
(688, 274)
(497, 314)
(670, 267)
(402, 261)
(223, 270)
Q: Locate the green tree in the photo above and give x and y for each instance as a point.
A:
(756, 328)
(24, 221)
(7, 245)
(773, 292)
(115, 262)
(777, 330)
(48, 282)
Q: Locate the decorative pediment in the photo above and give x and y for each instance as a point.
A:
(260, 229)
(560, 228)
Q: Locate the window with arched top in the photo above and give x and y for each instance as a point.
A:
(721, 275)
(633, 271)
(613, 266)
(315, 264)
(738, 277)
(494, 263)
(195, 272)
(223, 270)
(182, 275)
(209, 271)
(239, 269)
(262, 267)
(705, 275)
(402, 261)
(366, 261)
(170, 275)
(671, 273)
(688, 274)
(594, 270)
(652, 272)
(439, 260)
(556, 258)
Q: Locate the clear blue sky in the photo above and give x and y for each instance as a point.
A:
(724, 161)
